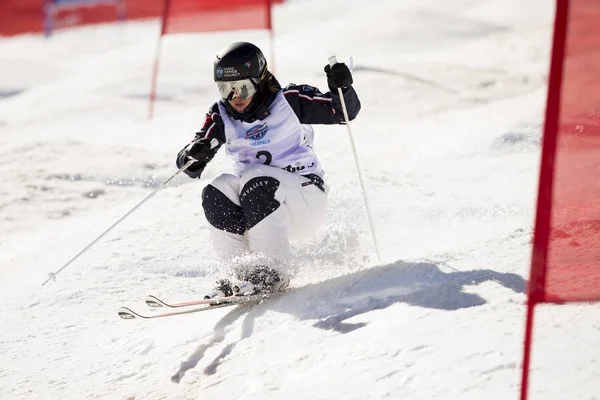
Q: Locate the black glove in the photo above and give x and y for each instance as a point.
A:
(200, 150)
(338, 76)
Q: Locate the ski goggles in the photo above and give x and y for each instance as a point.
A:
(243, 89)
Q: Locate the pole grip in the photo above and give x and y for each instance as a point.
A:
(332, 60)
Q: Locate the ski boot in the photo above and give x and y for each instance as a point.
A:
(224, 288)
(261, 280)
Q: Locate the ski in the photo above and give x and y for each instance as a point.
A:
(128, 313)
(206, 304)
(155, 302)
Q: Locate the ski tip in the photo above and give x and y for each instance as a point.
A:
(126, 313)
(153, 301)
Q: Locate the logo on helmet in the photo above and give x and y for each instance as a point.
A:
(262, 62)
(219, 72)
(248, 64)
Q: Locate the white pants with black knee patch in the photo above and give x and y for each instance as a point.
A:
(259, 211)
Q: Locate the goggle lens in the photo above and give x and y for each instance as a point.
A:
(242, 89)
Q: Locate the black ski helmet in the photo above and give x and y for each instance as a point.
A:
(240, 60)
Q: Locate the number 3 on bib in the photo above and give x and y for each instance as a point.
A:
(267, 155)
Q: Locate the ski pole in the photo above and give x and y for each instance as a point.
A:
(332, 61)
(52, 275)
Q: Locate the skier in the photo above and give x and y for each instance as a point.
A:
(277, 187)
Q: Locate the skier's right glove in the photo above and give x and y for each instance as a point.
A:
(200, 150)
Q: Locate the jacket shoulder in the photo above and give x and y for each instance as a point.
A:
(307, 90)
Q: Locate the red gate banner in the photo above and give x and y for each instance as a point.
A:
(60, 14)
(217, 15)
(565, 265)
(21, 16)
(28, 16)
(573, 260)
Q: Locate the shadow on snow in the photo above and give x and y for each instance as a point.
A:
(334, 301)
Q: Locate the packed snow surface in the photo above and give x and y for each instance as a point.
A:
(448, 139)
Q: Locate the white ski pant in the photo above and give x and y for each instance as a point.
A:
(259, 211)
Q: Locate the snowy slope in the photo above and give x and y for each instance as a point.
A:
(448, 138)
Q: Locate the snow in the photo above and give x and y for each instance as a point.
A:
(448, 139)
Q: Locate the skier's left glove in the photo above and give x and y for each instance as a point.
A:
(338, 76)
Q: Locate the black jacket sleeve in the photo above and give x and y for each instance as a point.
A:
(212, 128)
(313, 107)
